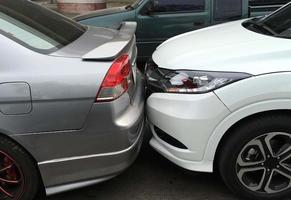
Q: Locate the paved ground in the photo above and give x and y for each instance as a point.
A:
(152, 177)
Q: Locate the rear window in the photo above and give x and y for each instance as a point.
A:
(35, 27)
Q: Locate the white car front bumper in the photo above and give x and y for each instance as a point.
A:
(188, 118)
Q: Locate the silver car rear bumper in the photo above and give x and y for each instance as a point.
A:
(92, 168)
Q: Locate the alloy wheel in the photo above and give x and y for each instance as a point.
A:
(11, 178)
(264, 164)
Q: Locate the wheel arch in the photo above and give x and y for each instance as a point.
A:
(9, 137)
(223, 131)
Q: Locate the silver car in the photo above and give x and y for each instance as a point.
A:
(71, 101)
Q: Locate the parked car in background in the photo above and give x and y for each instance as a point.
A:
(220, 98)
(71, 101)
(159, 20)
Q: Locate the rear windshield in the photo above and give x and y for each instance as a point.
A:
(35, 27)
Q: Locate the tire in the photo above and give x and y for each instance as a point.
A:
(21, 170)
(253, 161)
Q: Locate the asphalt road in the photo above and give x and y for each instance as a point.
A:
(152, 177)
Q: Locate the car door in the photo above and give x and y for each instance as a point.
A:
(160, 20)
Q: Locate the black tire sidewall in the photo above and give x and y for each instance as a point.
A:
(240, 136)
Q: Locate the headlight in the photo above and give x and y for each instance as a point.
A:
(192, 82)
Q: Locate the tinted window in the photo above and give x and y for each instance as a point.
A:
(35, 27)
(179, 5)
(227, 10)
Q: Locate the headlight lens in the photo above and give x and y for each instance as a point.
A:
(192, 82)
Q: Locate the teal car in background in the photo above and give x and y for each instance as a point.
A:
(159, 20)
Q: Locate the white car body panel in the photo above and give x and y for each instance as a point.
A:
(164, 110)
(201, 166)
(200, 121)
(256, 89)
(227, 47)
(233, 118)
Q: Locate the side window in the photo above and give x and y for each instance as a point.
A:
(227, 10)
(179, 5)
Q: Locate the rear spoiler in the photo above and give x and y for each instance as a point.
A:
(110, 50)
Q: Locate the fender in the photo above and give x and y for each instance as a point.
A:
(236, 116)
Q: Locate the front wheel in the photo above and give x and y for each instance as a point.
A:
(255, 162)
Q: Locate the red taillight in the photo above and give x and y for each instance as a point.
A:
(117, 80)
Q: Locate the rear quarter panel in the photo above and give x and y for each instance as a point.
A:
(62, 89)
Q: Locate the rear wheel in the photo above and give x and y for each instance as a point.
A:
(19, 178)
(256, 160)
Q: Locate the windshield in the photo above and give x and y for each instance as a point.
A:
(35, 27)
(277, 24)
(280, 22)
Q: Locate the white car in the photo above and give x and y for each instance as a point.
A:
(220, 98)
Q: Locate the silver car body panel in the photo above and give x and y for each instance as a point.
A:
(48, 107)
(112, 49)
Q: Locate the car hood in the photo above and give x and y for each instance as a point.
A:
(226, 47)
(108, 11)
